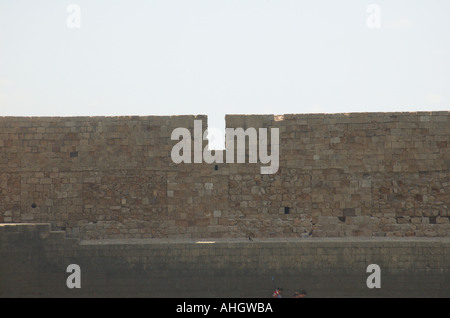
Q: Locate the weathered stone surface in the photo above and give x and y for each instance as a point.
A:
(113, 177)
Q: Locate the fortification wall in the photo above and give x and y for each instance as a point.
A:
(340, 175)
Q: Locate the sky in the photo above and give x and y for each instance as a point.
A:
(217, 57)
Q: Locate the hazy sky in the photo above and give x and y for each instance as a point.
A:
(163, 57)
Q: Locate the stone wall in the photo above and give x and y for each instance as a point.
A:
(340, 175)
(34, 261)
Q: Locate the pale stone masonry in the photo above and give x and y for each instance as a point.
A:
(340, 175)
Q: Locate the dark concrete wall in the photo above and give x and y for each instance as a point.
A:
(33, 262)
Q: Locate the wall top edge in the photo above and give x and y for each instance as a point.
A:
(200, 116)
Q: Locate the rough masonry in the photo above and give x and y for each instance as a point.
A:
(340, 175)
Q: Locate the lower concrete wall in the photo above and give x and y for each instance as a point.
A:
(34, 259)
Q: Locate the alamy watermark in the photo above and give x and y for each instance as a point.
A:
(257, 145)
(73, 20)
(374, 279)
(74, 279)
(374, 19)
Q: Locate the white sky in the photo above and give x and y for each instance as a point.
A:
(217, 57)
